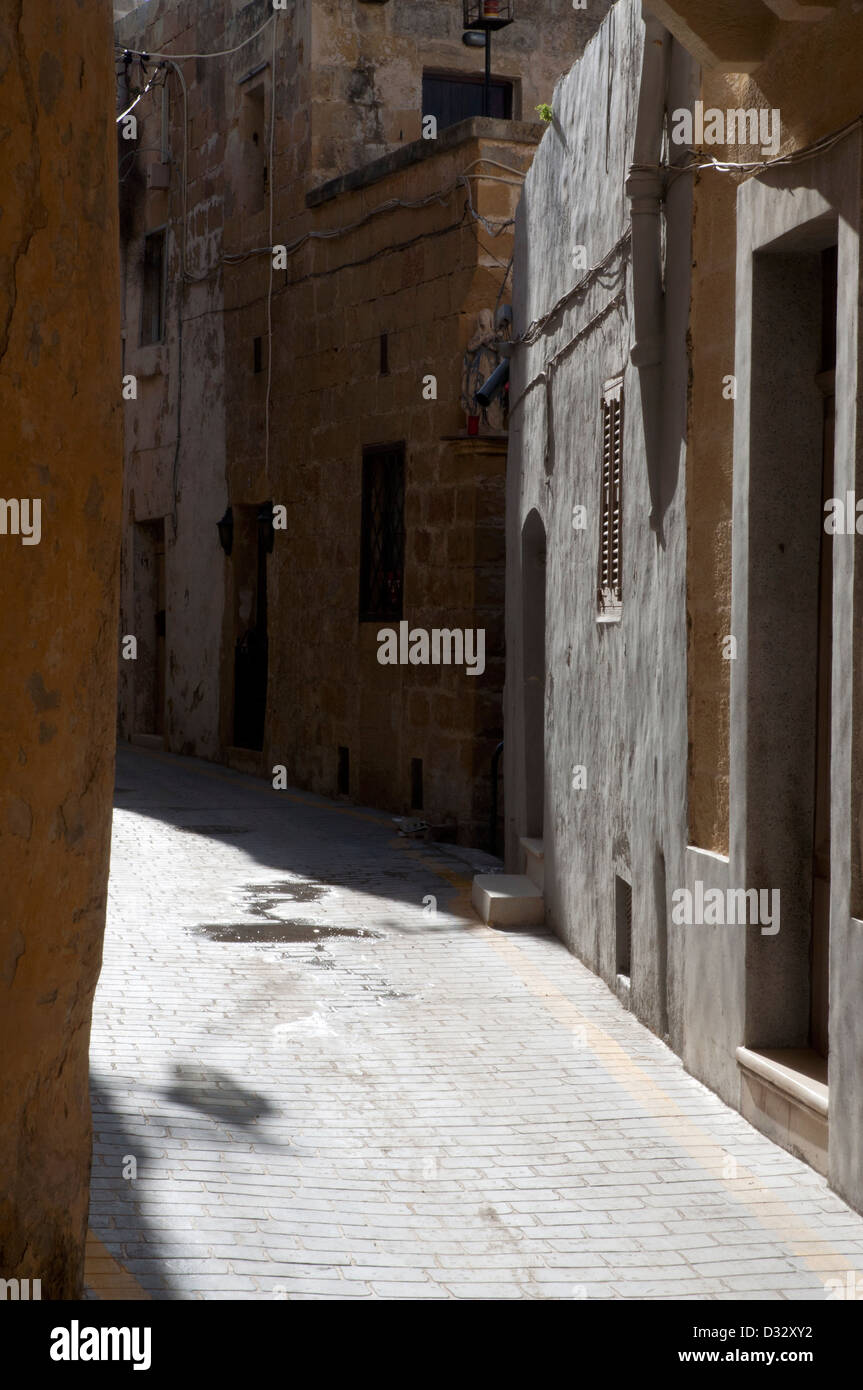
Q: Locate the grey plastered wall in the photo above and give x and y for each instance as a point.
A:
(790, 212)
(713, 989)
(615, 693)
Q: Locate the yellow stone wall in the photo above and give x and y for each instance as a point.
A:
(812, 75)
(60, 442)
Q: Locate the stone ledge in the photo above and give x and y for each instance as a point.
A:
(796, 1072)
(783, 1092)
(476, 128)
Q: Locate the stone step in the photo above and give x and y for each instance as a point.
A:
(508, 900)
(534, 860)
(148, 741)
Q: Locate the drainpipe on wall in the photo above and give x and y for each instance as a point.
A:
(645, 188)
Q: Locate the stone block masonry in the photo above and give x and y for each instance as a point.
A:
(61, 447)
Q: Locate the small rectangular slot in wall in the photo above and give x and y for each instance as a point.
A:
(623, 926)
(258, 353)
(153, 288)
(343, 776)
(251, 166)
(385, 355)
(416, 784)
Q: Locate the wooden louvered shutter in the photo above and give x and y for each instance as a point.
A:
(610, 585)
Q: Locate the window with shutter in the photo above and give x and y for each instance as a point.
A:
(610, 580)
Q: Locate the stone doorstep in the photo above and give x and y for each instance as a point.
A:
(508, 900)
(247, 760)
(784, 1094)
(534, 855)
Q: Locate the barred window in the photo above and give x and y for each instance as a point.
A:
(382, 555)
(610, 582)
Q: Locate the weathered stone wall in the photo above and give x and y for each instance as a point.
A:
(175, 440)
(615, 698)
(615, 692)
(368, 61)
(349, 89)
(790, 79)
(418, 275)
(809, 72)
(60, 442)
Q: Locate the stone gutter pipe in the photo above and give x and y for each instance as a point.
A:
(645, 188)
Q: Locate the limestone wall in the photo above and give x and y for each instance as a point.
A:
(60, 445)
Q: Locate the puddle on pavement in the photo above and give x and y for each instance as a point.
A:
(264, 897)
(276, 931)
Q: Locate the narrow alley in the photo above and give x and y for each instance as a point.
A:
(317, 1075)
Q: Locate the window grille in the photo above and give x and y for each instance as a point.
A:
(610, 584)
(383, 534)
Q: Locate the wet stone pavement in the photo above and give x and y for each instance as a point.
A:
(317, 1075)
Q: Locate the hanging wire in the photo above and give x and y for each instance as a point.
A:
(222, 53)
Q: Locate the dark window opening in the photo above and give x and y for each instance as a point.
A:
(258, 350)
(623, 926)
(416, 784)
(253, 543)
(343, 774)
(153, 289)
(253, 176)
(385, 355)
(382, 555)
(451, 97)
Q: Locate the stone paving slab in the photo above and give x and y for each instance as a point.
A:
(395, 1101)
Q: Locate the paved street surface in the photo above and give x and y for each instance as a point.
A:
(333, 1082)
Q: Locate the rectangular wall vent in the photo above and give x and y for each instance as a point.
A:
(623, 926)
(343, 775)
(416, 784)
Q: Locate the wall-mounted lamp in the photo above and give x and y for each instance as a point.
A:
(488, 14)
(225, 528)
(484, 16)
